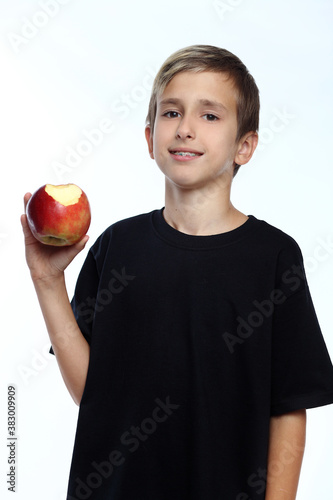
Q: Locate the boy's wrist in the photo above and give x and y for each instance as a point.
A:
(49, 283)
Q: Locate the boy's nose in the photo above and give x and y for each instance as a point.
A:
(185, 130)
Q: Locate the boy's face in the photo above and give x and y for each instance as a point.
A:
(197, 113)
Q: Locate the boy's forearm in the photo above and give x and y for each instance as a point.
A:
(70, 347)
(286, 449)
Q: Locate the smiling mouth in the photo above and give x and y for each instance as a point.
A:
(185, 153)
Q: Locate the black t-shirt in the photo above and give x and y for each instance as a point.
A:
(195, 342)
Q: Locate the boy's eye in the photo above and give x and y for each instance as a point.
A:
(210, 117)
(171, 114)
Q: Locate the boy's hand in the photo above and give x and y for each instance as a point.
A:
(47, 263)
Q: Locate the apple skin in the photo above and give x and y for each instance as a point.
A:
(55, 224)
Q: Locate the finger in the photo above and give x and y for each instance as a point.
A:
(80, 244)
(25, 225)
(84, 241)
(29, 237)
(73, 250)
(24, 222)
(26, 198)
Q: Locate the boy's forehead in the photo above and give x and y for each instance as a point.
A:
(204, 86)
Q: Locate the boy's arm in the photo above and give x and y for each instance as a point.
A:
(285, 454)
(47, 265)
(69, 345)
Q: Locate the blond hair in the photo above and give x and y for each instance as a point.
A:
(198, 58)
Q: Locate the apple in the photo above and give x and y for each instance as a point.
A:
(58, 215)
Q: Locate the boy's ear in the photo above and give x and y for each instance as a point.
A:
(246, 148)
(149, 139)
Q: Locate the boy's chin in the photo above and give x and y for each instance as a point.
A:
(188, 185)
(197, 182)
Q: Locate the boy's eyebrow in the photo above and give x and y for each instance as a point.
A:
(170, 100)
(203, 102)
(213, 104)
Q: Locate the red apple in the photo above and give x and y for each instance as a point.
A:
(58, 215)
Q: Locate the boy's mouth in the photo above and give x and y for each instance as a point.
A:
(185, 153)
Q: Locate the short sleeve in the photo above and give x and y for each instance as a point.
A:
(302, 371)
(84, 297)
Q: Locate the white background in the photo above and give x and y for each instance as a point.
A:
(91, 61)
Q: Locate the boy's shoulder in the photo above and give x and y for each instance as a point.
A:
(128, 228)
(275, 242)
(272, 246)
(273, 233)
(129, 224)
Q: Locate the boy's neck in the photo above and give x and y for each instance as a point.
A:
(201, 214)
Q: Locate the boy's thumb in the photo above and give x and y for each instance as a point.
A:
(73, 250)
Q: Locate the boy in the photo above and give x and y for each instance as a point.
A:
(194, 348)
